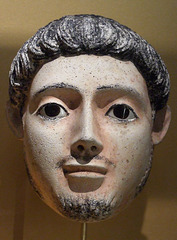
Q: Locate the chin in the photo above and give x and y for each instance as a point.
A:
(85, 209)
(88, 207)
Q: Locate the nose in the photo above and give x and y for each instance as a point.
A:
(85, 149)
(87, 144)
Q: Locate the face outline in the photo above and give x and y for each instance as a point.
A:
(88, 88)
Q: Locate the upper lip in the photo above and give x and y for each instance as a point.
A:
(71, 168)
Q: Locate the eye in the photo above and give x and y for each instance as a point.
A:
(52, 111)
(122, 112)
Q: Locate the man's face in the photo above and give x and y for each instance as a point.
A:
(87, 135)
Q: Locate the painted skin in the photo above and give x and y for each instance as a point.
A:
(87, 135)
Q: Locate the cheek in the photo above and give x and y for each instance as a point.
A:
(130, 149)
(45, 143)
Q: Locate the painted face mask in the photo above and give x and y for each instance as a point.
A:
(88, 126)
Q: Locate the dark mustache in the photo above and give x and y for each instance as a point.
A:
(60, 163)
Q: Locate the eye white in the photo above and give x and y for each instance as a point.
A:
(122, 112)
(52, 111)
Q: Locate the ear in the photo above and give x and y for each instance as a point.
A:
(14, 120)
(161, 124)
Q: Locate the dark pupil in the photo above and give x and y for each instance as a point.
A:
(52, 109)
(121, 111)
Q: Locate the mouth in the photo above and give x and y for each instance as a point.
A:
(84, 178)
(74, 169)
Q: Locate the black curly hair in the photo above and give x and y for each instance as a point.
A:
(87, 34)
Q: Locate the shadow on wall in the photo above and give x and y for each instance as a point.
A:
(20, 215)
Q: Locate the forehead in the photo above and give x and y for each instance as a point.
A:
(86, 73)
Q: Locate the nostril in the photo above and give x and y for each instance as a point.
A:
(80, 148)
(93, 148)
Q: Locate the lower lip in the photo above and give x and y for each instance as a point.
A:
(83, 182)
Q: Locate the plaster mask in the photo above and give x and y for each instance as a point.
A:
(87, 135)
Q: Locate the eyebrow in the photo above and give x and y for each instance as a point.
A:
(128, 90)
(131, 90)
(54, 86)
